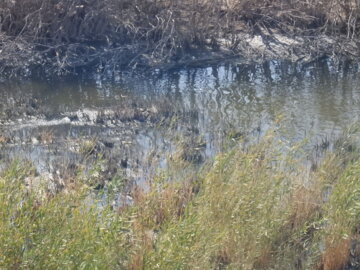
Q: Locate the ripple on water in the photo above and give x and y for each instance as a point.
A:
(145, 116)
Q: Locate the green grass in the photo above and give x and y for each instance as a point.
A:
(63, 231)
(251, 209)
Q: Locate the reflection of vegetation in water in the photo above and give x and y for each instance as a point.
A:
(257, 208)
(189, 151)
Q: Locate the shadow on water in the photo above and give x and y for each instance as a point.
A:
(139, 120)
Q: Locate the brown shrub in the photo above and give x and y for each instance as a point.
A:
(336, 256)
(305, 204)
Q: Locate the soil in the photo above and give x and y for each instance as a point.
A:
(267, 44)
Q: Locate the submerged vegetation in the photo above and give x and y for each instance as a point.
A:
(62, 35)
(259, 207)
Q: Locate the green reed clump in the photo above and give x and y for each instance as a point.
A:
(262, 209)
(341, 216)
(62, 231)
(235, 217)
(254, 208)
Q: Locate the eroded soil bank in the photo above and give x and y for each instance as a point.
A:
(61, 37)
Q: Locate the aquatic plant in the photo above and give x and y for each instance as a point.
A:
(65, 230)
(255, 207)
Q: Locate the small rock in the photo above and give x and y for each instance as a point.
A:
(34, 141)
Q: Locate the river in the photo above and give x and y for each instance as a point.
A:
(138, 121)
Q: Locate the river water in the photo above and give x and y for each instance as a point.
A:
(139, 121)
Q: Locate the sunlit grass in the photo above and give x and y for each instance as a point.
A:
(63, 231)
(253, 208)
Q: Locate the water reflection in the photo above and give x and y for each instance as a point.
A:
(317, 100)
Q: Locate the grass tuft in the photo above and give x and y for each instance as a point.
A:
(254, 208)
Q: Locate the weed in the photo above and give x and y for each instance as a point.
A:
(253, 208)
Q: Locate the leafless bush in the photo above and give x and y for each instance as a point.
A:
(63, 34)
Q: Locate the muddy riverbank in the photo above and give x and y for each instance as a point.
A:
(250, 48)
(62, 37)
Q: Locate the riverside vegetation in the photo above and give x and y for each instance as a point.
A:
(61, 36)
(254, 207)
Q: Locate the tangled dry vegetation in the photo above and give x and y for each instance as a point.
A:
(60, 35)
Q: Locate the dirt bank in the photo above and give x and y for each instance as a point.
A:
(59, 37)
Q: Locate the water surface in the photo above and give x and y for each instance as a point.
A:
(196, 108)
